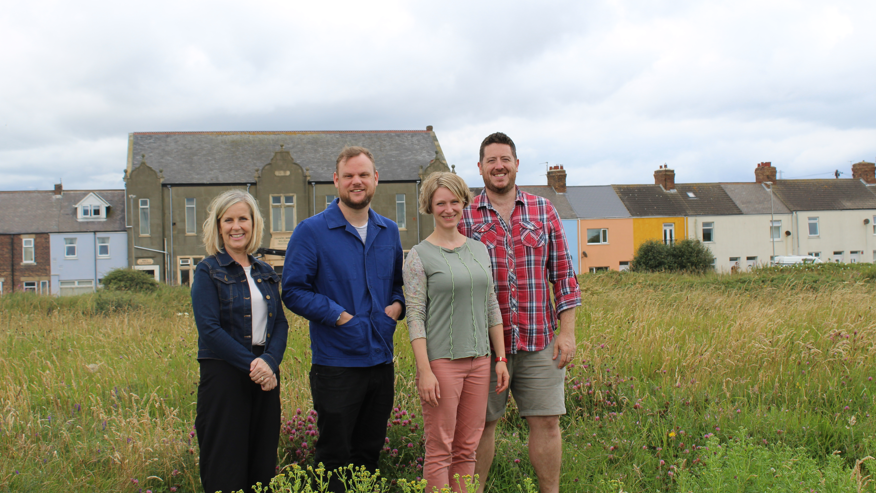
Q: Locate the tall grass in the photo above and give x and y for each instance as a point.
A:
(97, 392)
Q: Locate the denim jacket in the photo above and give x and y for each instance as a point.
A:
(223, 312)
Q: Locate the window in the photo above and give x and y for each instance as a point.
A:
(30, 286)
(708, 232)
(1, 287)
(69, 247)
(597, 236)
(282, 212)
(624, 267)
(86, 211)
(734, 264)
(751, 262)
(668, 233)
(27, 252)
(814, 254)
(776, 230)
(44, 287)
(874, 225)
(594, 270)
(400, 211)
(186, 269)
(191, 226)
(329, 199)
(855, 256)
(95, 211)
(103, 246)
(813, 226)
(144, 217)
(72, 288)
(691, 195)
(837, 257)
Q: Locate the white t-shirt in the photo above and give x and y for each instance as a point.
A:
(259, 310)
(363, 231)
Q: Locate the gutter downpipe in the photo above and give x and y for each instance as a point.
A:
(94, 243)
(170, 192)
(417, 207)
(131, 227)
(313, 196)
(797, 229)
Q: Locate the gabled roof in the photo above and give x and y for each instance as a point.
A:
(596, 202)
(559, 200)
(96, 198)
(41, 212)
(233, 157)
(824, 194)
(754, 198)
(706, 199)
(650, 201)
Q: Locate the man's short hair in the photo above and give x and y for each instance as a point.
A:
(450, 181)
(353, 151)
(498, 138)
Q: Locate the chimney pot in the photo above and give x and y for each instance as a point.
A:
(556, 176)
(665, 177)
(765, 172)
(429, 128)
(864, 171)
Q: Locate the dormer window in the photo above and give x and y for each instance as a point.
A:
(92, 208)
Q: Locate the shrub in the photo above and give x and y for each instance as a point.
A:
(129, 280)
(685, 255)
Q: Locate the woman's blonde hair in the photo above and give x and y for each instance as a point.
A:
(450, 181)
(221, 204)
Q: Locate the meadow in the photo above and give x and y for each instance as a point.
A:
(759, 381)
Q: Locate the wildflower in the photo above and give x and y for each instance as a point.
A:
(671, 434)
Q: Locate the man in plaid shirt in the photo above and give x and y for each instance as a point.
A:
(528, 249)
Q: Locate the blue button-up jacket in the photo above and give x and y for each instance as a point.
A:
(328, 270)
(223, 311)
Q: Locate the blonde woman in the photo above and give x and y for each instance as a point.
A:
(241, 340)
(453, 316)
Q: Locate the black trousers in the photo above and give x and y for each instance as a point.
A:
(238, 428)
(353, 406)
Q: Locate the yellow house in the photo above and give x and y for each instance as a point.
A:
(658, 211)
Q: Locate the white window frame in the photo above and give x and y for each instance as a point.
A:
(840, 254)
(145, 228)
(44, 287)
(623, 266)
(27, 245)
(283, 208)
(776, 230)
(601, 232)
(1, 286)
(814, 254)
(191, 217)
(401, 211)
(68, 243)
(594, 270)
(103, 241)
(750, 262)
(668, 233)
(813, 221)
(30, 287)
(711, 228)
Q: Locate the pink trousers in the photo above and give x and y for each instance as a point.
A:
(454, 428)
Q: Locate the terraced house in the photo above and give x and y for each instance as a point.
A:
(171, 178)
(60, 241)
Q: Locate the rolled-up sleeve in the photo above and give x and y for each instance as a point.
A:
(415, 295)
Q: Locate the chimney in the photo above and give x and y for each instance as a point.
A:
(765, 172)
(864, 171)
(665, 177)
(59, 189)
(557, 178)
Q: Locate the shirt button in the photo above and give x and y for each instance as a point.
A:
(270, 314)
(268, 297)
(259, 280)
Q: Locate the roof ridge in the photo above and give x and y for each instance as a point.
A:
(283, 132)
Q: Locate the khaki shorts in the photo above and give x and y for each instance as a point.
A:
(536, 383)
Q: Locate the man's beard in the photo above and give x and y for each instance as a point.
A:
(356, 205)
(500, 191)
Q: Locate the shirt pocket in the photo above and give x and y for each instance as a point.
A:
(384, 262)
(487, 234)
(532, 234)
(224, 287)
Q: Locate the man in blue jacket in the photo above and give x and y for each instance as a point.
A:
(343, 272)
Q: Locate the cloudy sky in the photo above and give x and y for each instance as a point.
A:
(610, 89)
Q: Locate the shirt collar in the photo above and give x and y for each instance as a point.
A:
(335, 218)
(225, 260)
(484, 200)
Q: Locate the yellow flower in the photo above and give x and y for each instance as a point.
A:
(671, 434)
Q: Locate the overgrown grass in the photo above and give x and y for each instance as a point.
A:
(98, 391)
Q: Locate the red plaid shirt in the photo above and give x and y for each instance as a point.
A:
(526, 255)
